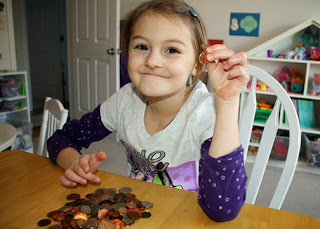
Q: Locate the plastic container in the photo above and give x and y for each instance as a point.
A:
(9, 87)
(312, 151)
(24, 134)
(280, 148)
(262, 115)
(255, 136)
(11, 105)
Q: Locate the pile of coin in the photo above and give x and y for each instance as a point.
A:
(104, 209)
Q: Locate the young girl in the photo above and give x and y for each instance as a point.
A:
(176, 133)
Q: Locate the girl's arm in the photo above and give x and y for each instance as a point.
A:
(64, 148)
(222, 183)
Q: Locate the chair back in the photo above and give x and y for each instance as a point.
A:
(248, 103)
(53, 118)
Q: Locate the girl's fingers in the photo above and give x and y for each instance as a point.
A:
(239, 58)
(66, 182)
(240, 73)
(84, 163)
(74, 176)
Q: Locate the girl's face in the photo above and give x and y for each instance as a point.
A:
(161, 55)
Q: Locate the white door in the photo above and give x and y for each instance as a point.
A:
(93, 73)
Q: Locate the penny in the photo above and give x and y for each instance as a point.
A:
(123, 211)
(147, 204)
(118, 224)
(51, 214)
(131, 205)
(95, 209)
(105, 206)
(91, 223)
(203, 56)
(80, 215)
(114, 214)
(44, 222)
(145, 215)
(103, 213)
(94, 199)
(85, 209)
(118, 205)
(125, 190)
(134, 215)
(66, 208)
(119, 196)
(73, 196)
(127, 221)
(55, 226)
(106, 225)
(80, 222)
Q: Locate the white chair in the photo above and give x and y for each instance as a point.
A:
(268, 137)
(53, 118)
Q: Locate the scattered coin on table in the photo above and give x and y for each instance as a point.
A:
(103, 209)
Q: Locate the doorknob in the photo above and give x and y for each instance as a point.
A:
(110, 51)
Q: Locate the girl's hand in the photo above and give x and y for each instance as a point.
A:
(82, 170)
(229, 75)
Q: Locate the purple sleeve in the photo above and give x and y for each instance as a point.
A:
(77, 134)
(222, 183)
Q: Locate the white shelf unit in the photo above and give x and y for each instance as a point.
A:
(282, 44)
(20, 117)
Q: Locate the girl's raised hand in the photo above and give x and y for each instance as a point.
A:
(229, 75)
(82, 170)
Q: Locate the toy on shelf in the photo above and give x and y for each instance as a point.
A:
(284, 78)
(314, 53)
(297, 53)
(296, 81)
(263, 111)
(316, 84)
(260, 86)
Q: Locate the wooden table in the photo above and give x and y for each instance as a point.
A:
(8, 135)
(29, 189)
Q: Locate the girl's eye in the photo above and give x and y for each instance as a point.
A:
(141, 47)
(173, 50)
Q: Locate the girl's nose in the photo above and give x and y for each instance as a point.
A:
(154, 59)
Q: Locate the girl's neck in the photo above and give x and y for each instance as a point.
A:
(161, 111)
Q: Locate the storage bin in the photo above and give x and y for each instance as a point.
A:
(11, 105)
(312, 152)
(9, 87)
(280, 148)
(262, 115)
(255, 136)
(24, 134)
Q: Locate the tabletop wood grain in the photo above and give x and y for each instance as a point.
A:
(30, 189)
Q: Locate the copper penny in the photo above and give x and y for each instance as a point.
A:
(51, 214)
(118, 205)
(85, 209)
(91, 223)
(66, 208)
(73, 196)
(127, 221)
(145, 215)
(114, 214)
(106, 225)
(134, 215)
(94, 199)
(103, 213)
(123, 211)
(55, 226)
(118, 224)
(80, 222)
(44, 222)
(203, 56)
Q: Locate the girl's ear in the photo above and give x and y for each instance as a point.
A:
(198, 69)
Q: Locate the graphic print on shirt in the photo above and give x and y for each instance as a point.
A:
(153, 168)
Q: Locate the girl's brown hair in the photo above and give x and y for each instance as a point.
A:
(167, 8)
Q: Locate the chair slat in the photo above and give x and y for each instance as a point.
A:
(247, 117)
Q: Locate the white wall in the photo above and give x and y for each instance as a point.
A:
(276, 16)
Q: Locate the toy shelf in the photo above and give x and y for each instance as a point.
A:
(283, 44)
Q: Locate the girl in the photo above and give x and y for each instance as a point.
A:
(176, 133)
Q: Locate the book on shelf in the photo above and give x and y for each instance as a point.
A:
(305, 111)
